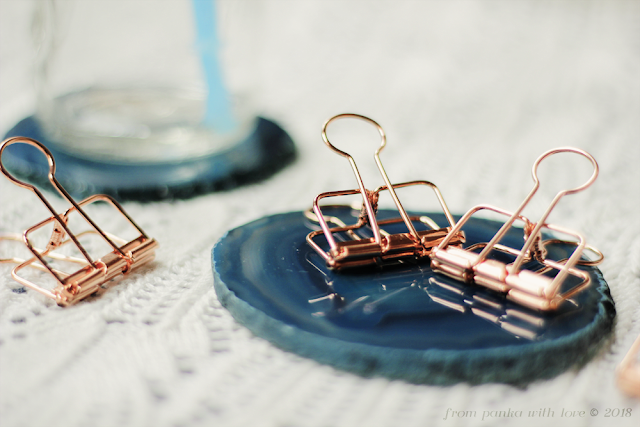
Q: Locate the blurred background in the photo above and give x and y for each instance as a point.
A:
(469, 94)
(487, 75)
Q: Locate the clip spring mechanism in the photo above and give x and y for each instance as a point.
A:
(125, 256)
(533, 289)
(383, 247)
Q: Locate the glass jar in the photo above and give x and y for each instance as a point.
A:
(134, 81)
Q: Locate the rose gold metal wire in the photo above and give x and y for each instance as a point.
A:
(363, 191)
(369, 201)
(143, 244)
(533, 235)
(628, 372)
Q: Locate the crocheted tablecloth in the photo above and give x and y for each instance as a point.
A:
(469, 93)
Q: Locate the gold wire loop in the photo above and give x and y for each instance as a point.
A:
(588, 262)
(594, 163)
(325, 138)
(368, 205)
(33, 143)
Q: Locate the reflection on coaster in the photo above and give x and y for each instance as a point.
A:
(403, 321)
(266, 151)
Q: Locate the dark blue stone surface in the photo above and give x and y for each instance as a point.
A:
(267, 150)
(400, 321)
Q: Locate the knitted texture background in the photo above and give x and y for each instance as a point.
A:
(469, 93)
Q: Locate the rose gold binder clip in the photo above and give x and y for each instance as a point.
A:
(539, 289)
(69, 288)
(383, 247)
(628, 372)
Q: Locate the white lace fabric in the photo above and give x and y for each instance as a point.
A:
(469, 95)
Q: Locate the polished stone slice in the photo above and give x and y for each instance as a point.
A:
(400, 321)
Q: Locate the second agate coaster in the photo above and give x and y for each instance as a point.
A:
(400, 322)
(265, 151)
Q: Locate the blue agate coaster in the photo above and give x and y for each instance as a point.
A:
(263, 153)
(403, 321)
